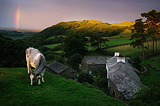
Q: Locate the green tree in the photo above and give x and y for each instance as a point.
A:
(138, 34)
(74, 43)
(75, 60)
(12, 52)
(152, 23)
(96, 40)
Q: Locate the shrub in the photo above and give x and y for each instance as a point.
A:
(136, 62)
(85, 77)
(74, 60)
(67, 76)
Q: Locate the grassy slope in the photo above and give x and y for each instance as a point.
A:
(51, 46)
(16, 90)
(153, 75)
(111, 41)
(123, 23)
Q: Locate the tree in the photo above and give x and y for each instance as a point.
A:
(152, 23)
(97, 40)
(12, 52)
(74, 43)
(138, 34)
(75, 60)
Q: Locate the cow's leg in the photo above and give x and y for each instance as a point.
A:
(31, 77)
(42, 74)
(28, 67)
(39, 81)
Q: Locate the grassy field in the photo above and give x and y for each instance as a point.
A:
(55, 91)
(125, 33)
(53, 37)
(113, 42)
(125, 50)
(153, 75)
(52, 45)
(123, 23)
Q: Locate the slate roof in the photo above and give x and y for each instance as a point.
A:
(96, 59)
(57, 67)
(123, 77)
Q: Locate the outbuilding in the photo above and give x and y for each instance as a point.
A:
(59, 69)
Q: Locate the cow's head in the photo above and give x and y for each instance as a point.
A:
(33, 79)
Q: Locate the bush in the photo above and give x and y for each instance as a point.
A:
(136, 62)
(102, 82)
(85, 77)
(67, 76)
(74, 61)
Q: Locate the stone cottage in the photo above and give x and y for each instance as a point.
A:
(93, 63)
(123, 82)
(59, 69)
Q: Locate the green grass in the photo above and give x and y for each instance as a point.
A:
(59, 51)
(51, 46)
(152, 76)
(125, 50)
(55, 91)
(123, 23)
(53, 37)
(153, 61)
(119, 41)
(125, 33)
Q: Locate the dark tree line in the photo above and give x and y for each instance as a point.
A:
(12, 52)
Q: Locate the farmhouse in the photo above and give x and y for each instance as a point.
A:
(123, 82)
(59, 69)
(93, 63)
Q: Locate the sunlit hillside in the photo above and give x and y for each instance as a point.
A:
(123, 23)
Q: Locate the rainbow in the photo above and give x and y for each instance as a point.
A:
(17, 18)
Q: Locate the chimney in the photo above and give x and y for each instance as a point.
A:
(121, 59)
(116, 54)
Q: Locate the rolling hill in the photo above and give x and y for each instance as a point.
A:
(129, 23)
(86, 27)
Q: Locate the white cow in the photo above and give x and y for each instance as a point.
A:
(35, 59)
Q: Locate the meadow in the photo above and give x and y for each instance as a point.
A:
(16, 90)
(125, 50)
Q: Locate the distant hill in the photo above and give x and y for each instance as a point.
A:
(129, 23)
(17, 34)
(55, 91)
(87, 28)
(11, 33)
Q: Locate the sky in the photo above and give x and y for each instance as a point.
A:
(40, 14)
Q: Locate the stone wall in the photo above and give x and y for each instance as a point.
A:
(84, 66)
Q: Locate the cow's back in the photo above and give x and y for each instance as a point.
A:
(31, 53)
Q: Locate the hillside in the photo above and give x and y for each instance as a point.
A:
(57, 91)
(13, 34)
(129, 23)
(87, 28)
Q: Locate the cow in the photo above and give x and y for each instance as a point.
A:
(35, 59)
